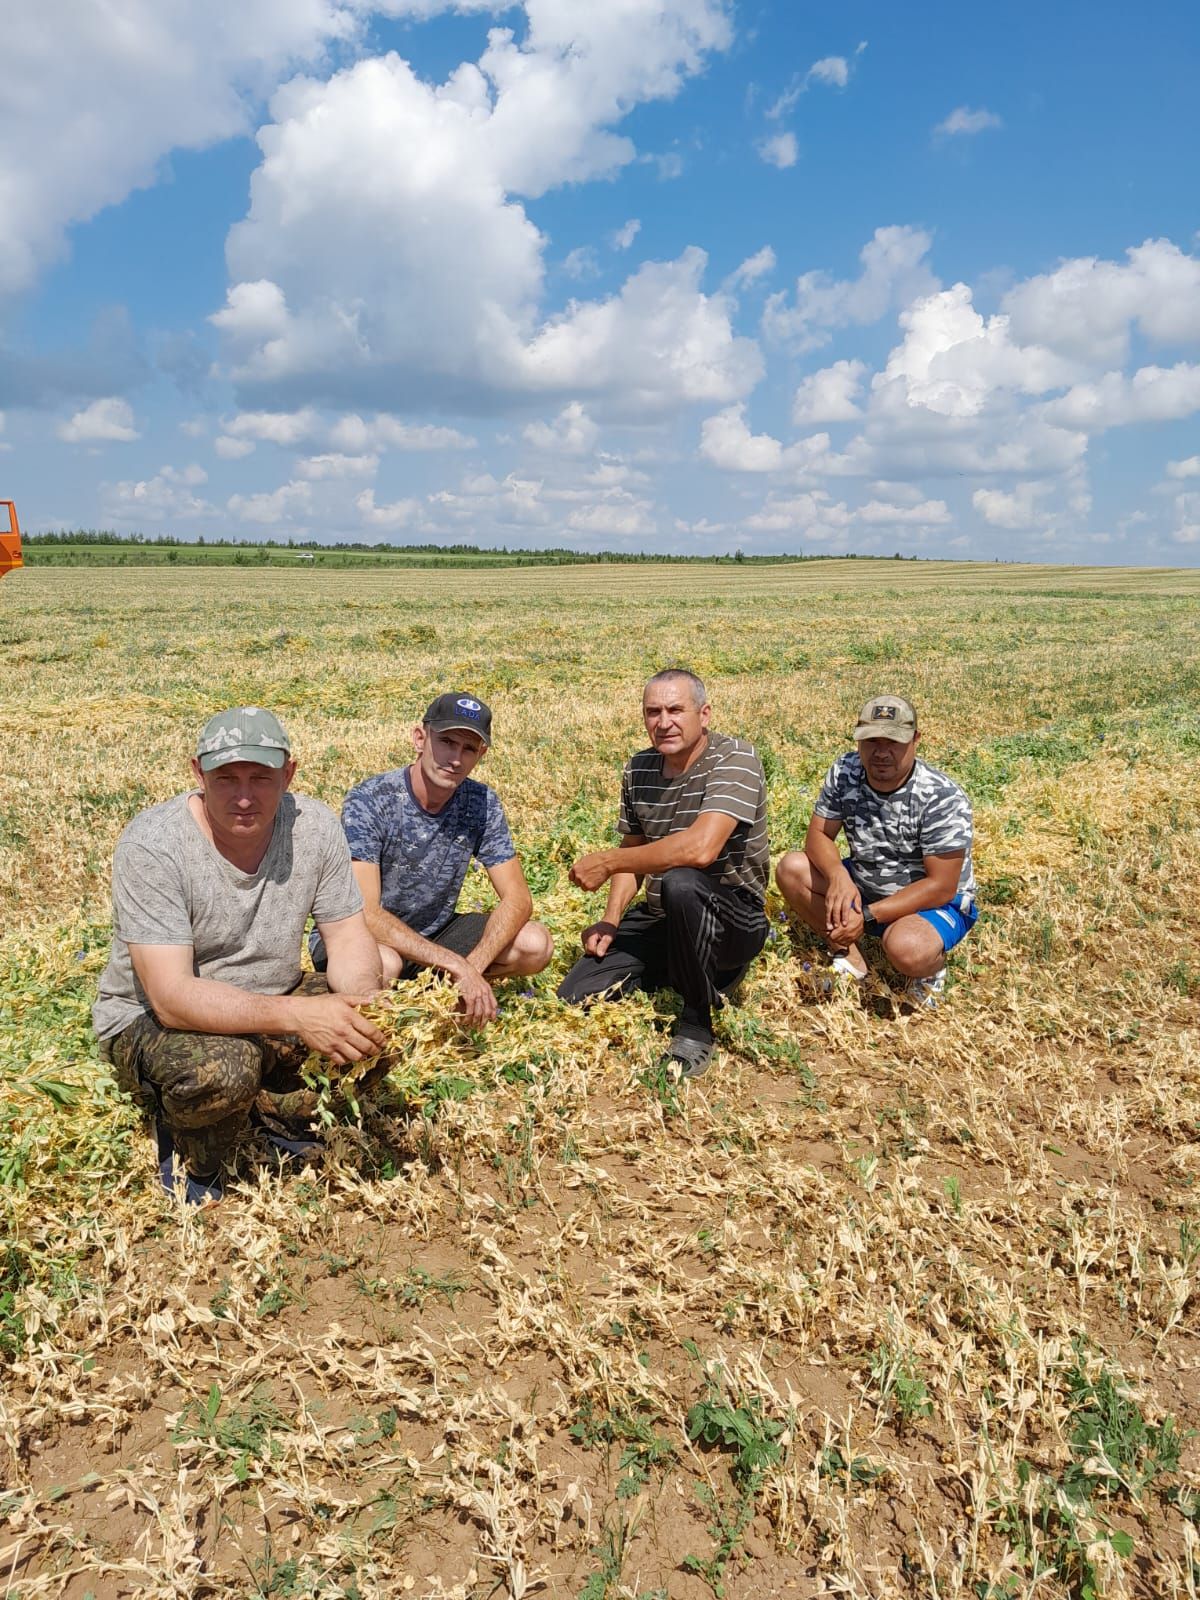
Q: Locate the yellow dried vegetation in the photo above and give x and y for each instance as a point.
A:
(886, 1305)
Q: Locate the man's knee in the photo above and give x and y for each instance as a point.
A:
(583, 984)
(533, 948)
(682, 886)
(591, 979)
(913, 947)
(204, 1078)
(794, 875)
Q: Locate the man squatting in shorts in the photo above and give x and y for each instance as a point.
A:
(412, 835)
(201, 1010)
(693, 825)
(908, 877)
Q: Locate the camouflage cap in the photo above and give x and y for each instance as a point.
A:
(887, 717)
(244, 733)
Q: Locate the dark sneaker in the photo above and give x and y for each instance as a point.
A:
(195, 1189)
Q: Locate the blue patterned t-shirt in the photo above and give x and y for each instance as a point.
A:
(891, 834)
(423, 856)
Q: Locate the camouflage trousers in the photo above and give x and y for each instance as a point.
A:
(203, 1086)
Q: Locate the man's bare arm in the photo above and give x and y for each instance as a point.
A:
(478, 1001)
(622, 887)
(180, 1000)
(697, 845)
(397, 935)
(937, 888)
(843, 902)
(353, 955)
(506, 919)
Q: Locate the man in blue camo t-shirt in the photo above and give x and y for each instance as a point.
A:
(908, 877)
(413, 833)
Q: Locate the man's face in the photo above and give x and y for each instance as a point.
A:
(674, 721)
(242, 797)
(445, 759)
(888, 762)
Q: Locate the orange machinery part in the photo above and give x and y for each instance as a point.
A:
(10, 540)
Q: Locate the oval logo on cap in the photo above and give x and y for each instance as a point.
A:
(468, 704)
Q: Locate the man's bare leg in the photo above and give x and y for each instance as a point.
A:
(914, 948)
(528, 953)
(803, 886)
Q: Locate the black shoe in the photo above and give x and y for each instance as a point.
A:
(688, 1055)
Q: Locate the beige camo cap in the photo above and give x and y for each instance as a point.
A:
(244, 733)
(887, 717)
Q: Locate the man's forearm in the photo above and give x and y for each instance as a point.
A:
(682, 849)
(203, 1005)
(622, 887)
(407, 942)
(923, 895)
(501, 928)
(823, 852)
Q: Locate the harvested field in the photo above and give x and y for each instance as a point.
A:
(886, 1305)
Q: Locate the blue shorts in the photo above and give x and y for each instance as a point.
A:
(952, 922)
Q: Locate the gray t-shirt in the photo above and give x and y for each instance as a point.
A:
(727, 778)
(891, 834)
(171, 886)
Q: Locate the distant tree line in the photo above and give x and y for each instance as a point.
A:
(331, 554)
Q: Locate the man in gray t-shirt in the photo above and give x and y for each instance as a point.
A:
(202, 1009)
(908, 878)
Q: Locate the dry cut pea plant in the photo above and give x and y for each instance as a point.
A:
(888, 1304)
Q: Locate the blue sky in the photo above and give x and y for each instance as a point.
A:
(681, 275)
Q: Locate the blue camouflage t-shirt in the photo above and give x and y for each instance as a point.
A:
(422, 856)
(891, 834)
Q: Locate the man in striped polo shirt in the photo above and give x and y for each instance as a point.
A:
(694, 831)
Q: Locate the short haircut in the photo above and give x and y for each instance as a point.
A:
(695, 684)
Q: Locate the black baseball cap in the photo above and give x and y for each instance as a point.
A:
(460, 711)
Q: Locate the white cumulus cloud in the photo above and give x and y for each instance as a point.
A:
(1152, 394)
(96, 95)
(625, 234)
(894, 272)
(397, 514)
(385, 432)
(1087, 307)
(1189, 468)
(925, 514)
(105, 421)
(727, 442)
(572, 433)
(168, 494)
(270, 507)
(951, 360)
(385, 218)
(334, 465)
(811, 516)
(1015, 509)
(829, 395)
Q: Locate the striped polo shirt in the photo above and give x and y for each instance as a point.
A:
(727, 777)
